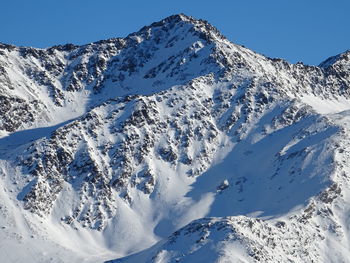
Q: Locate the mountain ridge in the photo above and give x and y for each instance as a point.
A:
(113, 146)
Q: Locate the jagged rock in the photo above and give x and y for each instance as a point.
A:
(142, 136)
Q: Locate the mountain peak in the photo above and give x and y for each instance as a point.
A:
(200, 26)
(340, 59)
(177, 18)
(119, 143)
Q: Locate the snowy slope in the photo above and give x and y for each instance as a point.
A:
(172, 145)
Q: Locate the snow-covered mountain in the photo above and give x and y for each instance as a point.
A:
(172, 145)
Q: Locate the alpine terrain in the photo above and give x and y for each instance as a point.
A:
(172, 145)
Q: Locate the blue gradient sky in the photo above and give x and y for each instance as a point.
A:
(296, 30)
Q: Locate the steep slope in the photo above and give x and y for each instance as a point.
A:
(109, 149)
(44, 85)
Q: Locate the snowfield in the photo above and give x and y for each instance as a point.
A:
(172, 145)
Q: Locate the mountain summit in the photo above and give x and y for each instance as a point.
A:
(172, 145)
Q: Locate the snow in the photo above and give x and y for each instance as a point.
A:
(245, 162)
(323, 106)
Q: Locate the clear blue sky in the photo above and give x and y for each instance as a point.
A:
(297, 30)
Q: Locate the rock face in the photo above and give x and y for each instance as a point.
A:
(174, 134)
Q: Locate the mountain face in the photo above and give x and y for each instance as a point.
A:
(172, 145)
